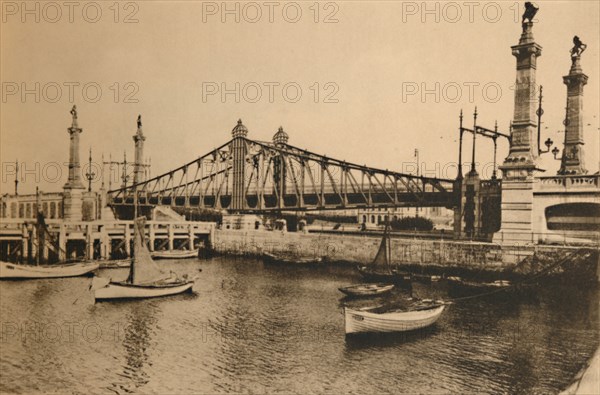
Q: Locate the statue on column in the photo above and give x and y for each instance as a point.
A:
(529, 13)
(578, 47)
(74, 112)
(139, 121)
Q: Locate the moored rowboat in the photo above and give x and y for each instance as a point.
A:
(122, 290)
(289, 258)
(115, 263)
(357, 321)
(367, 289)
(458, 285)
(174, 254)
(16, 271)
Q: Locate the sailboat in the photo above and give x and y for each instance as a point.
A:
(380, 270)
(146, 279)
(22, 271)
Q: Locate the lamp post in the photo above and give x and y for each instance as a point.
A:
(418, 174)
(90, 174)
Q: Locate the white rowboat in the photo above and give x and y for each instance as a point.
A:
(174, 254)
(357, 321)
(367, 289)
(115, 264)
(116, 290)
(15, 271)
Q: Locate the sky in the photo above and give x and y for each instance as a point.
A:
(363, 81)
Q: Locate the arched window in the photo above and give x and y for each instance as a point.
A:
(21, 210)
(28, 210)
(378, 219)
(52, 210)
(364, 219)
(45, 210)
(13, 210)
(372, 219)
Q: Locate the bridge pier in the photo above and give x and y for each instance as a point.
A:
(93, 240)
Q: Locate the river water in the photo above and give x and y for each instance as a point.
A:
(255, 328)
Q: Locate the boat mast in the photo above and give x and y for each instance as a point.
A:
(135, 239)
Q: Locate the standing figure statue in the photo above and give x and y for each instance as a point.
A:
(578, 47)
(139, 121)
(74, 112)
(529, 13)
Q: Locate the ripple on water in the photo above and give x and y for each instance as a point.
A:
(252, 328)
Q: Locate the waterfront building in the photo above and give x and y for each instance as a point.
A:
(376, 217)
(75, 202)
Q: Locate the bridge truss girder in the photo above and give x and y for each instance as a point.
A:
(283, 177)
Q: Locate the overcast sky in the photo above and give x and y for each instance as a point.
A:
(357, 64)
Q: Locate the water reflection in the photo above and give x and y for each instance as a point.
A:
(138, 333)
(361, 341)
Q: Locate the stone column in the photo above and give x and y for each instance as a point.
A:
(519, 166)
(171, 237)
(104, 243)
(62, 242)
(74, 188)
(139, 139)
(572, 158)
(89, 209)
(89, 241)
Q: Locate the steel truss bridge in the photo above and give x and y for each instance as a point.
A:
(245, 175)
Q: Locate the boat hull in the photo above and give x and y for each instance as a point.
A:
(14, 271)
(458, 286)
(130, 291)
(390, 278)
(356, 321)
(115, 264)
(174, 254)
(281, 259)
(366, 289)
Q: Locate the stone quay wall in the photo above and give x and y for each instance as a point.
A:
(430, 255)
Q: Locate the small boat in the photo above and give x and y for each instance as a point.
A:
(146, 279)
(58, 270)
(380, 270)
(19, 271)
(289, 258)
(114, 263)
(367, 289)
(460, 285)
(360, 321)
(174, 254)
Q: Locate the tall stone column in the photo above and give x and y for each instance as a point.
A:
(519, 166)
(74, 188)
(139, 139)
(572, 158)
(238, 147)
(523, 147)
